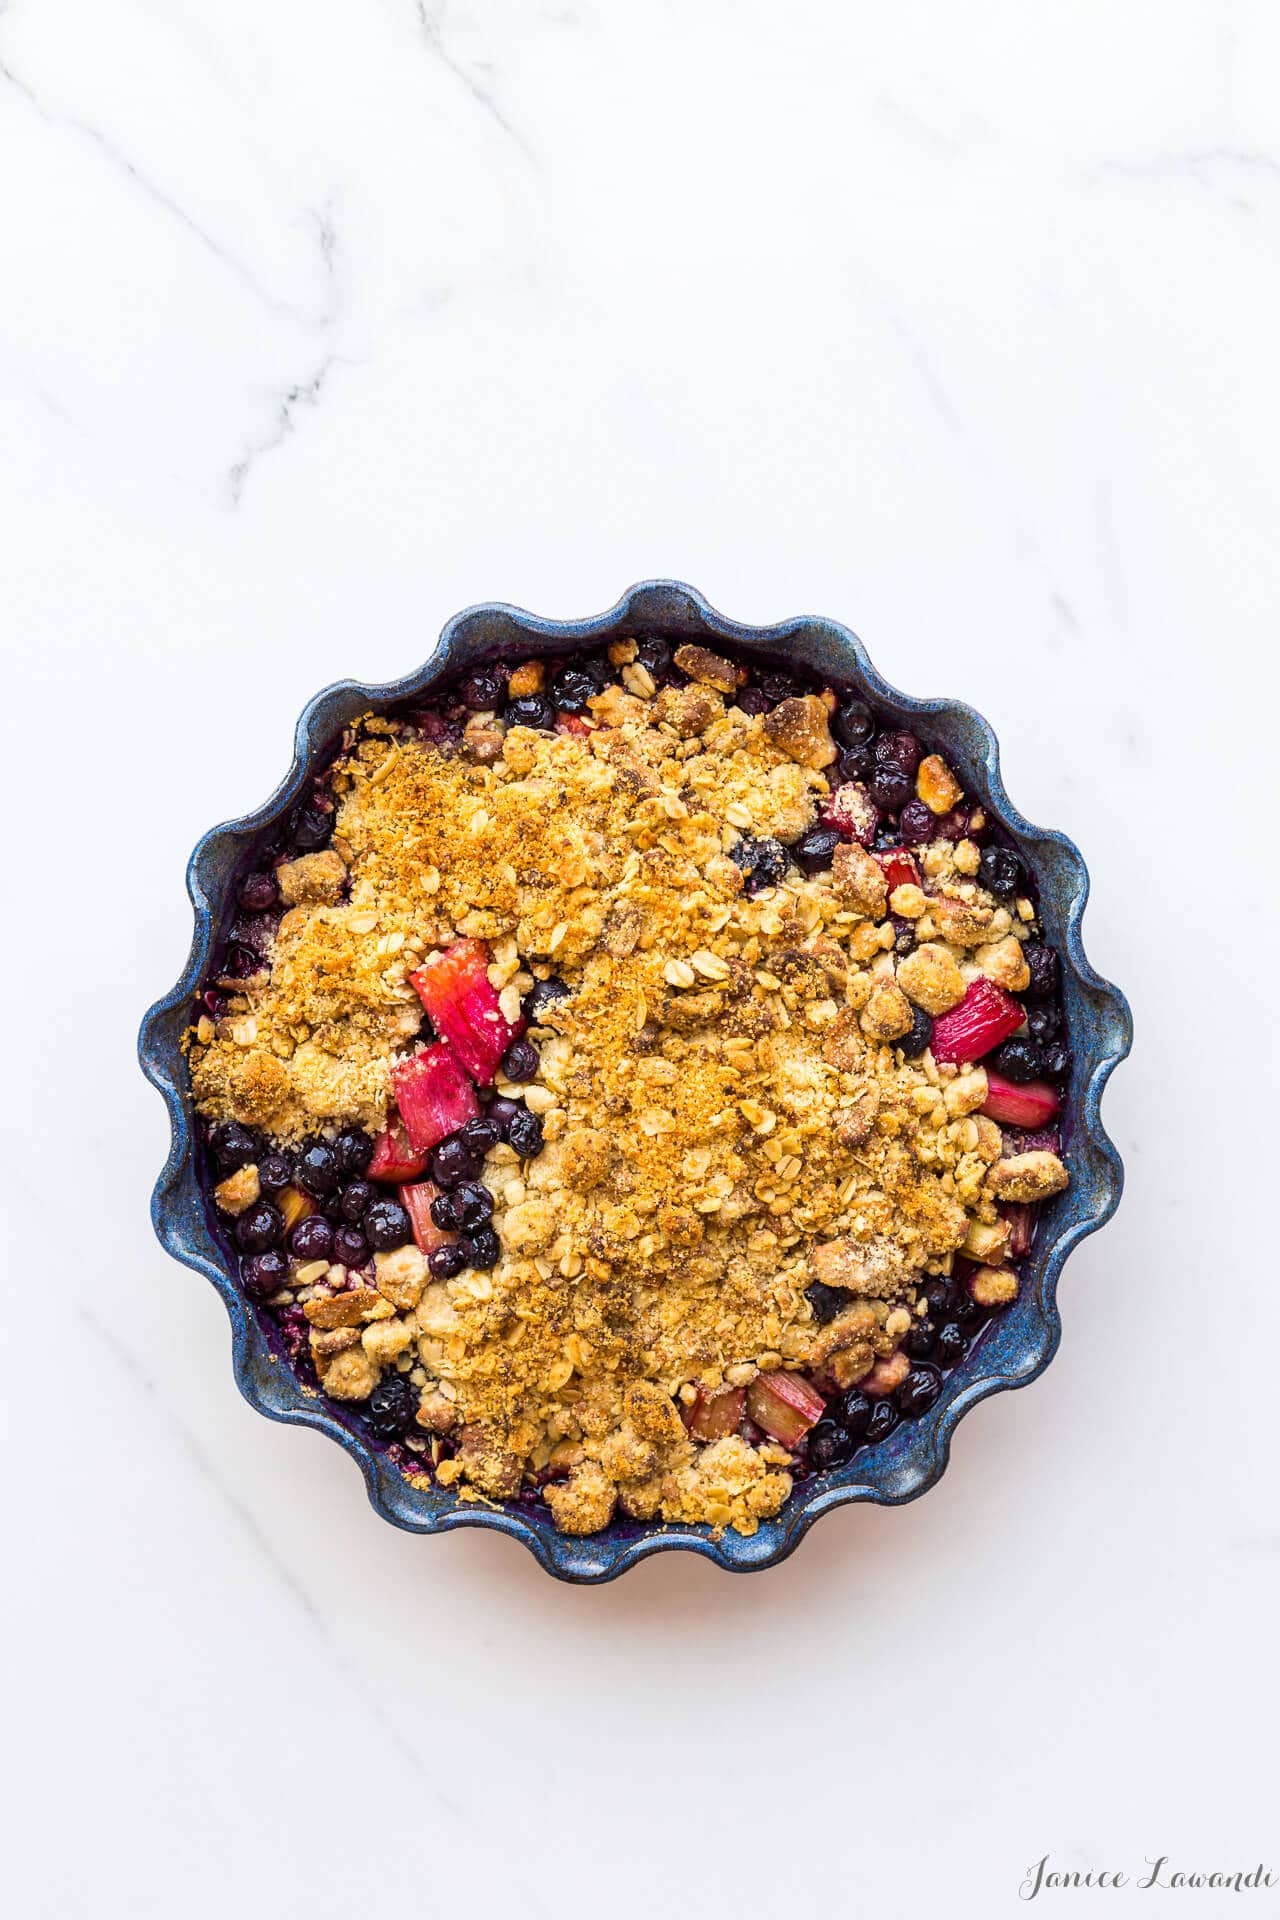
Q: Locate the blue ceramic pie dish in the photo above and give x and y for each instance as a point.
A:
(1015, 1347)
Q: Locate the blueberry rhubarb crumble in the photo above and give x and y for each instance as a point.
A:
(629, 1083)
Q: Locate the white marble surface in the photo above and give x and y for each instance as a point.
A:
(318, 322)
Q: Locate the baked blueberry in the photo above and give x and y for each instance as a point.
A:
(914, 1043)
(312, 1239)
(1043, 1020)
(826, 1301)
(940, 1297)
(454, 1160)
(447, 1261)
(541, 997)
(499, 1113)
(481, 1249)
(1019, 1060)
(520, 1061)
(275, 1173)
(1001, 873)
(856, 763)
(350, 1248)
(525, 1134)
(1057, 1063)
(354, 1151)
(473, 1205)
(951, 1345)
(483, 1134)
(259, 892)
(965, 1310)
(234, 1146)
(571, 689)
(854, 723)
(918, 824)
(311, 829)
(900, 750)
(531, 710)
(854, 1410)
(1042, 963)
(763, 862)
(919, 1391)
(830, 1445)
(357, 1197)
(889, 787)
(265, 1273)
(482, 690)
(921, 1338)
(386, 1225)
(260, 1227)
(392, 1407)
(317, 1168)
(884, 1418)
(654, 655)
(445, 1212)
(814, 851)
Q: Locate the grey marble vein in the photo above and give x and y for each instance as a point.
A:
(305, 393)
(1199, 166)
(49, 401)
(127, 168)
(434, 37)
(933, 387)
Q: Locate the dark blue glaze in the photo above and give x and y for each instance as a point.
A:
(1016, 1346)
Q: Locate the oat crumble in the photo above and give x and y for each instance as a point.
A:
(704, 1165)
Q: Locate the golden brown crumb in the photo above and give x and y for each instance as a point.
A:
(350, 1375)
(962, 922)
(887, 1014)
(931, 977)
(585, 1502)
(690, 710)
(993, 1286)
(936, 785)
(709, 669)
(315, 877)
(800, 727)
(1003, 962)
(529, 677)
(859, 879)
(239, 1191)
(1028, 1176)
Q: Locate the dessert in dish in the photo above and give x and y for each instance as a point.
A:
(629, 1081)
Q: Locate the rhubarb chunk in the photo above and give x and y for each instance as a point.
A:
(852, 812)
(453, 986)
(715, 1415)
(294, 1206)
(785, 1405)
(986, 1016)
(1029, 1106)
(416, 1200)
(393, 1158)
(900, 870)
(434, 1096)
(1021, 1223)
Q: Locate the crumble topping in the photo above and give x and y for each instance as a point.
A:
(727, 1118)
